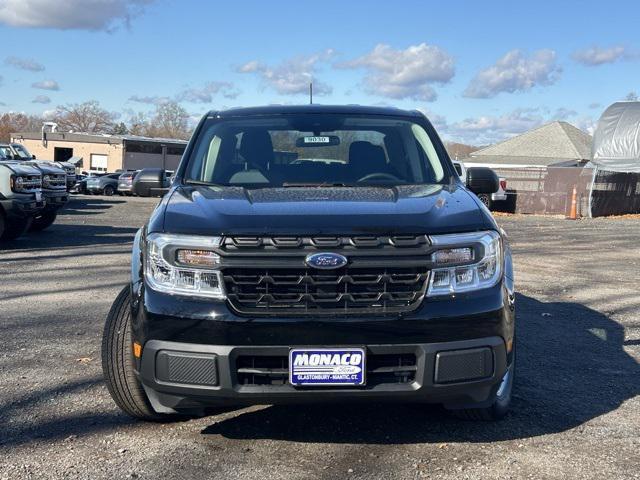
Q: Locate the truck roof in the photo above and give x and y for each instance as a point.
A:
(315, 108)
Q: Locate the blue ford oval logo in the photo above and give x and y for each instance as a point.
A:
(325, 261)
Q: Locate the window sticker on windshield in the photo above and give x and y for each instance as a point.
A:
(317, 139)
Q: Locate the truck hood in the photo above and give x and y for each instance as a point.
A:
(20, 168)
(402, 210)
(46, 167)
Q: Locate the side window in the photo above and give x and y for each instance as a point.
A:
(458, 169)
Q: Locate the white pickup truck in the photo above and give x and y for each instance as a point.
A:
(488, 200)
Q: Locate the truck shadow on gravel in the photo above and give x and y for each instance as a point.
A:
(60, 236)
(87, 205)
(571, 369)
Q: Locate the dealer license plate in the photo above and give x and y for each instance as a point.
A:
(327, 366)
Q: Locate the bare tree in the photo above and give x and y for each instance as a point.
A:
(18, 122)
(87, 117)
(138, 124)
(170, 120)
(631, 97)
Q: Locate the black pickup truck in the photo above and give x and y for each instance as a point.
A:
(316, 254)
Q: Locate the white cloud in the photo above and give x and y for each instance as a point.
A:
(149, 99)
(24, 64)
(206, 93)
(70, 14)
(489, 129)
(595, 56)
(408, 73)
(515, 72)
(41, 99)
(563, 113)
(46, 85)
(595, 105)
(292, 77)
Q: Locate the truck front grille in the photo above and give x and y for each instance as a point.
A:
(57, 182)
(385, 275)
(31, 182)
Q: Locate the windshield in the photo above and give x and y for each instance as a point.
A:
(312, 149)
(5, 152)
(22, 152)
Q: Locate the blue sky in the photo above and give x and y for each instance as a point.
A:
(482, 71)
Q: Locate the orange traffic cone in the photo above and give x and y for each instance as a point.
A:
(573, 213)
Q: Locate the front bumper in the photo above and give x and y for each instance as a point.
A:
(456, 374)
(55, 199)
(22, 207)
(499, 197)
(481, 320)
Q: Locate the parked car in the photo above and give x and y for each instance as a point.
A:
(152, 182)
(54, 187)
(20, 152)
(488, 200)
(104, 184)
(125, 182)
(81, 182)
(379, 277)
(20, 197)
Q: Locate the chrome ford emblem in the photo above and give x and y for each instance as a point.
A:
(325, 261)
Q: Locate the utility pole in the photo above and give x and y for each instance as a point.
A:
(311, 93)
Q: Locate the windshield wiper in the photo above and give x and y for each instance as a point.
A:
(312, 185)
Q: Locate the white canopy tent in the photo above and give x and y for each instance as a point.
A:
(616, 142)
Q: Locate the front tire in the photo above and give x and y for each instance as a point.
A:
(109, 191)
(15, 228)
(117, 363)
(43, 221)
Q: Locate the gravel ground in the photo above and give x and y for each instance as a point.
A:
(576, 412)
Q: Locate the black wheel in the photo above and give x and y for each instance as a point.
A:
(117, 363)
(15, 228)
(501, 404)
(486, 199)
(43, 221)
(109, 190)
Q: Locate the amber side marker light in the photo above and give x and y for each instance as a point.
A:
(137, 350)
(509, 345)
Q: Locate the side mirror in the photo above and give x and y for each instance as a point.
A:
(482, 180)
(33, 156)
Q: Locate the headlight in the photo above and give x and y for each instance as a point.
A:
(469, 261)
(184, 265)
(46, 181)
(18, 183)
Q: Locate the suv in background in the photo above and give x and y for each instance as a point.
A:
(488, 200)
(125, 182)
(104, 184)
(368, 272)
(54, 187)
(20, 197)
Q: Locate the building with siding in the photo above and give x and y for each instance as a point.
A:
(103, 153)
